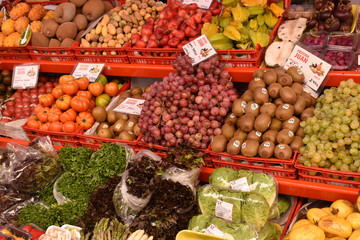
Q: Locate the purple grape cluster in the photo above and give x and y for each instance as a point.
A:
(188, 106)
(347, 41)
(315, 40)
(340, 59)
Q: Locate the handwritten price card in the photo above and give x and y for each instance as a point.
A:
(199, 49)
(89, 70)
(25, 76)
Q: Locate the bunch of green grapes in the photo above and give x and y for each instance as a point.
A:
(332, 135)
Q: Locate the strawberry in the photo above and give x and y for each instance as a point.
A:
(134, 38)
(150, 21)
(197, 17)
(152, 37)
(191, 23)
(189, 32)
(140, 44)
(206, 19)
(146, 32)
(171, 14)
(216, 11)
(172, 26)
(161, 22)
(202, 11)
(173, 42)
(183, 13)
(147, 27)
(178, 34)
(178, 20)
(192, 6)
(159, 32)
(164, 41)
(27, 228)
(163, 15)
(152, 44)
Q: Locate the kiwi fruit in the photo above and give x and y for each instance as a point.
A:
(252, 108)
(121, 116)
(261, 95)
(38, 39)
(268, 108)
(299, 105)
(292, 124)
(310, 100)
(284, 112)
(129, 126)
(270, 77)
(64, 12)
(250, 148)
(246, 122)
(49, 27)
(238, 107)
(285, 80)
(300, 132)
(255, 135)
(93, 9)
(283, 152)
(279, 70)
(80, 21)
(105, 133)
(127, 136)
(308, 112)
(285, 136)
(126, 94)
(133, 117)
(296, 144)
(102, 125)
(67, 42)
(298, 88)
(278, 101)
(255, 83)
(54, 43)
(231, 118)
(138, 96)
(99, 114)
(66, 30)
(147, 89)
(247, 96)
(136, 91)
(288, 95)
(262, 122)
(275, 124)
(266, 149)
(296, 74)
(78, 36)
(118, 126)
(274, 90)
(240, 134)
(218, 143)
(234, 145)
(107, 6)
(111, 117)
(259, 73)
(78, 3)
(228, 130)
(269, 135)
(137, 130)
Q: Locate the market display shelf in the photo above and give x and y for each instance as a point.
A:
(305, 189)
(159, 71)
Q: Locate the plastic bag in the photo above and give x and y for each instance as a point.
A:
(234, 206)
(60, 198)
(186, 177)
(10, 197)
(10, 214)
(134, 191)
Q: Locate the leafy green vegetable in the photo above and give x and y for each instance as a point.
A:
(184, 157)
(222, 177)
(270, 231)
(266, 186)
(255, 210)
(236, 231)
(281, 206)
(46, 195)
(75, 187)
(108, 229)
(75, 159)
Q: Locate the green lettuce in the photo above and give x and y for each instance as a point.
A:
(222, 177)
(280, 207)
(269, 232)
(255, 210)
(266, 186)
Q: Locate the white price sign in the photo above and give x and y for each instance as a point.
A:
(204, 4)
(25, 76)
(130, 106)
(199, 49)
(314, 68)
(89, 70)
(214, 230)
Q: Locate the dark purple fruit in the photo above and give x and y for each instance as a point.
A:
(325, 15)
(7, 80)
(312, 23)
(332, 24)
(2, 88)
(344, 27)
(342, 15)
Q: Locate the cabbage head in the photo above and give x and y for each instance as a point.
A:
(222, 177)
(255, 210)
(265, 185)
(270, 231)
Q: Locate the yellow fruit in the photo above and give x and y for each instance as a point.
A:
(355, 235)
(335, 226)
(342, 208)
(8, 27)
(2, 38)
(354, 219)
(358, 203)
(21, 24)
(337, 238)
(20, 10)
(307, 232)
(327, 210)
(36, 26)
(12, 40)
(301, 222)
(314, 215)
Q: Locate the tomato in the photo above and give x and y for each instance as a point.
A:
(56, 127)
(68, 116)
(102, 79)
(57, 92)
(48, 85)
(48, 90)
(85, 120)
(7, 113)
(69, 127)
(53, 117)
(92, 105)
(41, 90)
(96, 88)
(27, 228)
(83, 83)
(38, 109)
(85, 94)
(70, 88)
(46, 100)
(63, 103)
(80, 104)
(45, 126)
(111, 89)
(25, 93)
(43, 115)
(66, 78)
(33, 122)
(55, 110)
(102, 100)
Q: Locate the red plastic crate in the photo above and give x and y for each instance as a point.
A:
(14, 53)
(157, 56)
(328, 176)
(294, 210)
(51, 53)
(273, 166)
(96, 142)
(95, 54)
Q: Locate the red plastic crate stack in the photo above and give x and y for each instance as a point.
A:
(104, 55)
(51, 53)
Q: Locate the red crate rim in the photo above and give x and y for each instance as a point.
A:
(83, 137)
(48, 49)
(77, 47)
(26, 128)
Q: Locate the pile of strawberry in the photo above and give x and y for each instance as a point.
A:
(177, 25)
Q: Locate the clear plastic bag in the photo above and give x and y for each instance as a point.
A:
(10, 197)
(10, 214)
(60, 198)
(128, 203)
(186, 177)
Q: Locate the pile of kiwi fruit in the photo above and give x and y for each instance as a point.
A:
(116, 125)
(265, 120)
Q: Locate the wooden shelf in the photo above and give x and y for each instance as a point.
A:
(160, 71)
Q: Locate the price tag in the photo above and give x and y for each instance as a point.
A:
(25, 76)
(224, 210)
(240, 184)
(3, 11)
(214, 230)
(314, 68)
(205, 4)
(89, 70)
(130, 106)
(199, 49)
